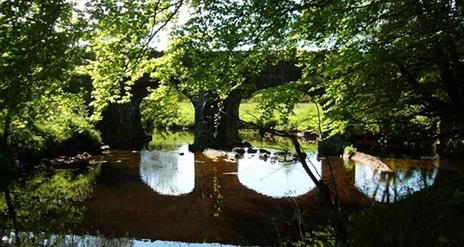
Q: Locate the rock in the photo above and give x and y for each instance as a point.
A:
(246, 145)
(181, 153)
(263, 157)
(105, 147)
(252, 150)
(332, 146)
(238, 150)
(281, 153)
(215, 154)
(85, 155)
(282, 156)
(372, 161)
(264, 151)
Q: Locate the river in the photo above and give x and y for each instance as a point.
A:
(165, 195)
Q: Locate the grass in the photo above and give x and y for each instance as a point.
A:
(186, 116)
(303, 118)
(165, 140)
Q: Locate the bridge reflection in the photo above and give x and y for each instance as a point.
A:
(168, 172)
(173, 173)
(276, 179)
(391, 186)
(176, 195)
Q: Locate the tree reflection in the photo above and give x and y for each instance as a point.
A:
(46, 202)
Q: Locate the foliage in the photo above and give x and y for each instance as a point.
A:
(50, 200)
(349, 150)
(39, 47)
(216, 197)
(322, 237)
(170, 140)
(119, 38)
(385, 71)
(256, 139)
(160, 110)
(389, 68)
(57, 119)
(303, 117)
(281, 99)
(180, 115)
(193, 70)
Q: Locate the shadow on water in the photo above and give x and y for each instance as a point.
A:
(167, 196)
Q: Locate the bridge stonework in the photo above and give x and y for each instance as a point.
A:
(219, 128)
(121, 125)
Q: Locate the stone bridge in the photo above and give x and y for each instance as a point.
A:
(121, 124)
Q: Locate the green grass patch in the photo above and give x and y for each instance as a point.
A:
(303, 118)
(166, 140)
(186, 116)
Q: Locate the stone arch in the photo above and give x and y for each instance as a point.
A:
(121, 125)
(221, 131)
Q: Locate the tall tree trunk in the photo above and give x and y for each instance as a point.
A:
(6, 133)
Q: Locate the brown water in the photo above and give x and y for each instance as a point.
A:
(171, 197)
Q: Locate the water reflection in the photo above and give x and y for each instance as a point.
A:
(48, 200)
(168, 172)
(45, 239)
(279, 179)
(392, 186)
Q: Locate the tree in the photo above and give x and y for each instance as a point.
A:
(381, 67)
(207, 63)
(396, 68)
(39, 45)
(119, 40)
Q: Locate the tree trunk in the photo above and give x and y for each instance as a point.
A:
(216, 124)
(6, 132)
(11, 211)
